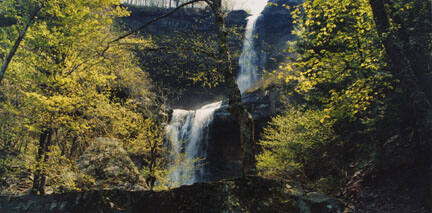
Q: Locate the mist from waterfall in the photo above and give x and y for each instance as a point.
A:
(248, 60)
(187, 134)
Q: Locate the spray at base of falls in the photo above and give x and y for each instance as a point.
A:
(248, 60)
(187, 134)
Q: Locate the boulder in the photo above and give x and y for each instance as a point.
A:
(109, 165)
(319, 202)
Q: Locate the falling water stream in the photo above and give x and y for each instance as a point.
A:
(248, 61)
(188, 131)
(188, 136)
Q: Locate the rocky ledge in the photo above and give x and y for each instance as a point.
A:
(251, 194)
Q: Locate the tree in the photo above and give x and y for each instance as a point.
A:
(409, 58)
(405, 31)
(67, 92)
(339, 72)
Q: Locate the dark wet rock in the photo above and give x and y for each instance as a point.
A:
(224, 151)
(274, 30)
(319, 202)
(251, 194)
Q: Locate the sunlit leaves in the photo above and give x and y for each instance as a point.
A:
(339, 71)
(338, 45)
(60, 80)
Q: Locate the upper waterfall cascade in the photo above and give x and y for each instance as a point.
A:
(248, 60)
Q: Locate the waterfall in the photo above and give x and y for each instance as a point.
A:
(248, 60)
(187, 134)
(188, 130)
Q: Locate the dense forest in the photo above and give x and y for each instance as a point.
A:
(143, 105)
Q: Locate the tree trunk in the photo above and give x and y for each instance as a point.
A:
(17, 43)
(401, 65)
(414, 80)
(416, 101)
(39, 178)
(236, 107)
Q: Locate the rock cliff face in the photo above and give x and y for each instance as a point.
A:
(181, 52)
(186, 19)
(223, 159)
(251, 194)
(273, 30)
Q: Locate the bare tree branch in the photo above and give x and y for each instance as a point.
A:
(14, 49)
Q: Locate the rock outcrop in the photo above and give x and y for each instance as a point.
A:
(251, 194)
(109, 165)
(224, 151)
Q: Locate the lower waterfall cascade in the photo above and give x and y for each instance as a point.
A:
(187, 134)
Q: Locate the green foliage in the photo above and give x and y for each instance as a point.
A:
(148, 149)
(340, 72)
(60, 82)
(298, 141)
(338, 64)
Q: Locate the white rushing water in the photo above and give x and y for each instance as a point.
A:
(248, 60)
(187, 134)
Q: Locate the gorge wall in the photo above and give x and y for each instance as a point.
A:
(273, 31)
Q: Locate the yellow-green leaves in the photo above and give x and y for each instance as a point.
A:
(337, 47)
(60, 81)
(294, 141)
(339, 72)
